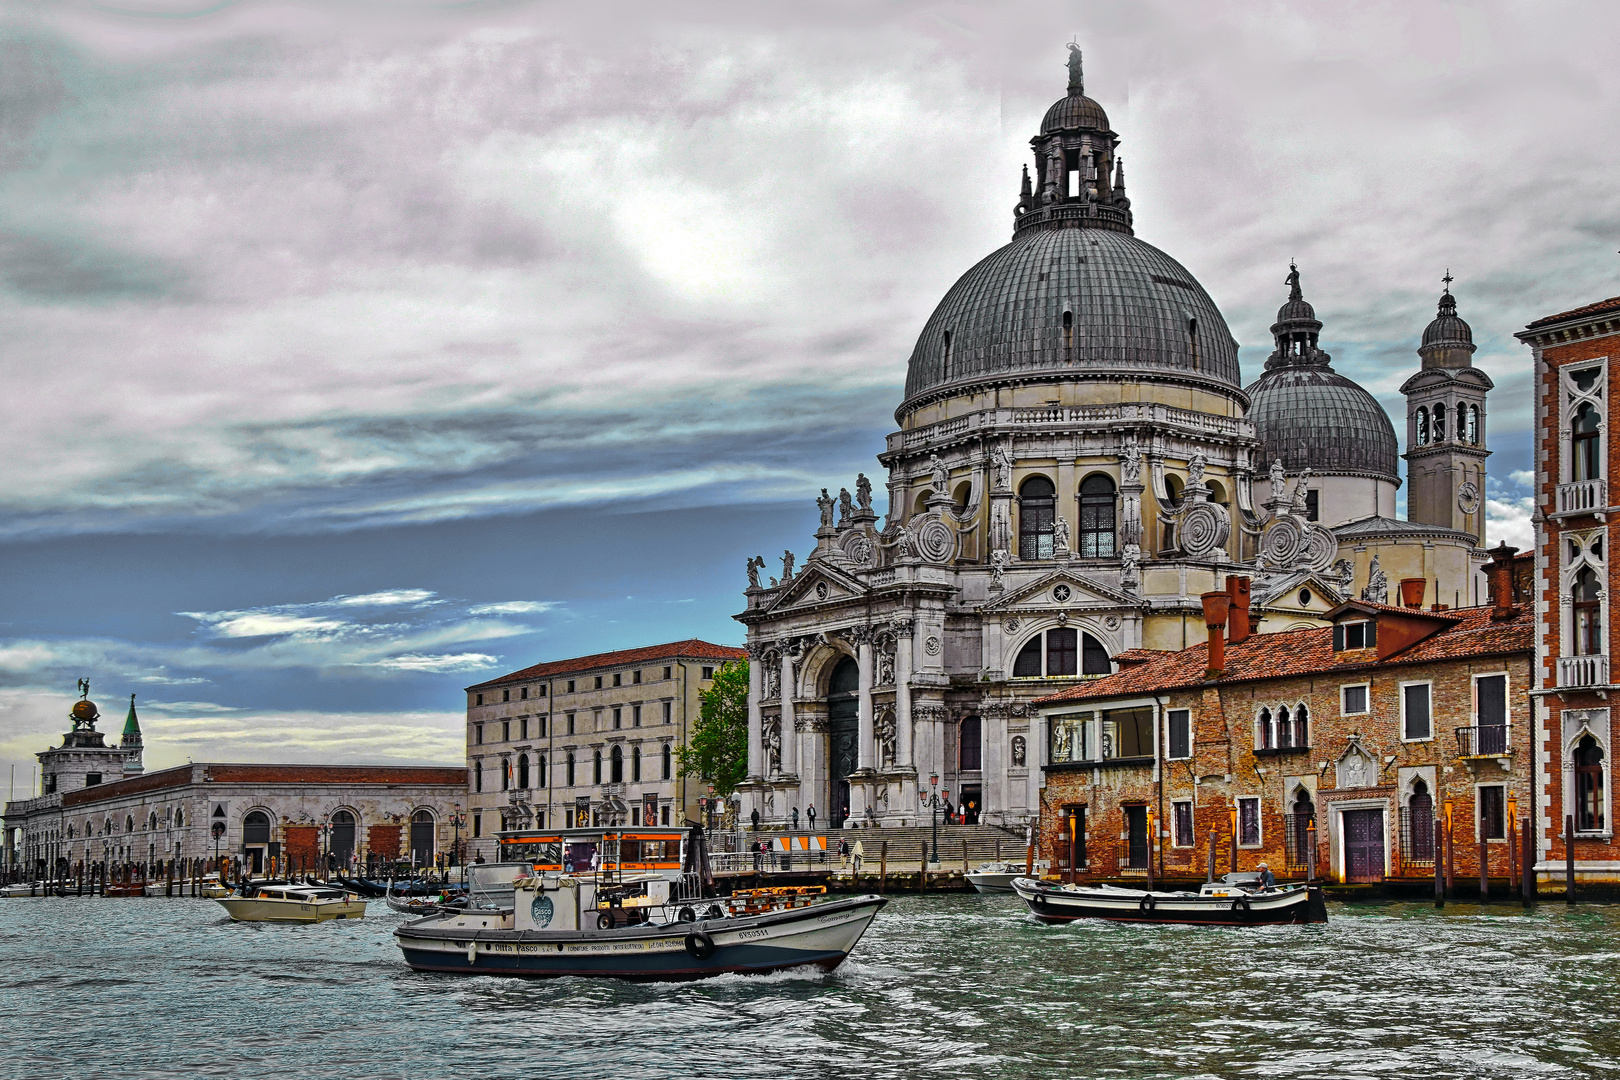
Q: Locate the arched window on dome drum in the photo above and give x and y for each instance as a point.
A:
(1192, 343)
(1588, 632)
(1585, 464)
(1589, 797)
(1473, 424)
(523, 771)
(1037, 508)
(1422, 425)
(1096, 517)
(1439, 422)
(1068, 329)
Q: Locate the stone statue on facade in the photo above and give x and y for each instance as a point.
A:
(884, 729)
(1195, 471)
(1060, 535)
(1019, 753)
(863, 491)
(1130, 465)
(1343, 572)
(941, 476)
(1377, 590)
(755, 565)
(1001, 461)
(1300, 492)
(773, 746)
(825, 505)
(787, 567)
(1130, 568)
(1277, 480)
(998, 567)
(846, 507)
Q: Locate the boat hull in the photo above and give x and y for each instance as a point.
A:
(1285, 906)
(992, 883)
(263, 909)
(821, 935)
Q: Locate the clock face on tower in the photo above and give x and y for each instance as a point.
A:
(1468, 498)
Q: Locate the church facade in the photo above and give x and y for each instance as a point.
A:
(1076, 462)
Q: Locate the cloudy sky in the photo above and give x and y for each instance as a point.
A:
(355, 352)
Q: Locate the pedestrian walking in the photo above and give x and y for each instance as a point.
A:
(795, 819)
(843, 854)
(810, 812)
(754, 815)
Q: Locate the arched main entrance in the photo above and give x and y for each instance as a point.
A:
(842, 735)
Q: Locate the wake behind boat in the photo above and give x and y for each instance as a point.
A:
(1235, 900)
(627, 904)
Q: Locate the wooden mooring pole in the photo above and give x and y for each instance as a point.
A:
(1527, 865)
(1484, 871)
(883, 865)
(1439, 864)
(1569, 858)
(1451, 862)
(1212, 839)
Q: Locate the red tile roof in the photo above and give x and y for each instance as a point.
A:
(1602, 307)
(690, 649)
(1308, 652)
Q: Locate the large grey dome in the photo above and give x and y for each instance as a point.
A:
(1129, 306)
(1313, 417)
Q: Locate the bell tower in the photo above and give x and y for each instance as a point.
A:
(1445, 427)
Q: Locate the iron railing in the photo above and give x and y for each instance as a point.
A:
(1297, 840)
(1417, 838)
(1488, 740)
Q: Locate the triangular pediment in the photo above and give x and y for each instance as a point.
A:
(819, 583)
(1283, 592)
(1042, 594)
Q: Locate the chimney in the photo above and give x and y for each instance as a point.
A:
(1237, 627)
(1216, 605)
(1412, 589)
(1500, 570)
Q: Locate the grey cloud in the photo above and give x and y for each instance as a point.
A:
(65, 269)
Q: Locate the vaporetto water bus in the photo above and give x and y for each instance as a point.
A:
(627, 903)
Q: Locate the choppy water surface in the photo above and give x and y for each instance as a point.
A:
(947, 986)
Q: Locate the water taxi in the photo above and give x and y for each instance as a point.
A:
(630, 903)
(1235, 900)
(280, 901)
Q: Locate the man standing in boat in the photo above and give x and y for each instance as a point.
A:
(1267, 879)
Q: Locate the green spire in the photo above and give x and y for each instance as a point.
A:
(132, 725)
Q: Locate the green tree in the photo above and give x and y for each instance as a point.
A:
(717, 748)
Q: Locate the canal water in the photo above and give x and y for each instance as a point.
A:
(942, 986)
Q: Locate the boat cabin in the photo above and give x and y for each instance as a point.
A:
(608, 852)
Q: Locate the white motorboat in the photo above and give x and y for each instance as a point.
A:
(282, 902)
(1235, 900)
(995, 877)
(26, 888)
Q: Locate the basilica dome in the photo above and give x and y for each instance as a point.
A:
(1308, 416)
(1072, 300)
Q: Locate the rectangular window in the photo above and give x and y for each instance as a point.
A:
(1180, 723)
(542, 722)
(1354, 635)
(1492, 814)
(708, 673)
(664, 770)
(570, 723)
(478, 825)
(523, 727)
(1415, 725)
(506, 695)
(617, 680)
(1066, 738)
(478, 734)
(1183, 812)
(523, 693)
(635, 716)
(1062, 651)
(635, 676)
(1490, 714)
(506, 731)
(618, 718)
(596, 719)
(1249, 822)
(666, 712)
(541, 690)
(570, 686)
(668, 672)
(480, 700)
(1353, 700)
(665, 811)
(599, 682)
(1127, 733)
(1312, 504)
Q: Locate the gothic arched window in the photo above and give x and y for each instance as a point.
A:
(1285, 729)
(1037, 510)
(1420, 824)
(1588, 614)
(1422, 425)
(1302, 726)
(1096, 517)
(1584, 463)
(1263, 730)
(1589, 796)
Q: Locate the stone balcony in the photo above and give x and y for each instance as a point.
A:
(1578, 671)
(1582, 497)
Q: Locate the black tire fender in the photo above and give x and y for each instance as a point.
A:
(700, 945)
(1241, 906)
(1149, 902)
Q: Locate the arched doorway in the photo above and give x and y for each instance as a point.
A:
(422, 838)
(342, 842)
(256, 839)
(1420, 824)
(843, 729)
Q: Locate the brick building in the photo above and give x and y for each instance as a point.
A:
(1574, 353)
(582, 741)
(99, 806)
(1354, 736)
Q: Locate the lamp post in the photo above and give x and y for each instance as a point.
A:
(933, 811)
(457, 820)
(218, 831)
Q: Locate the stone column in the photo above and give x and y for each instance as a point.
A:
(863, 704)
(903, 741)
(756, 724)
(790, 731)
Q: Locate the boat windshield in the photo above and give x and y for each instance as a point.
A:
(489, 885)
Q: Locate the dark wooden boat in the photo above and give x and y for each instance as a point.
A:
(1237, 900)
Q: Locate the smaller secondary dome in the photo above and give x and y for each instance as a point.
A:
(1448, 328)
(1296, 311)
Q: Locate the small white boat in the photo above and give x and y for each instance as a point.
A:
(282, 902)
(25, 888)
(995, 877)
(1235, 900)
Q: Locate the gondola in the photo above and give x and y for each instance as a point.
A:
(1235, 900)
